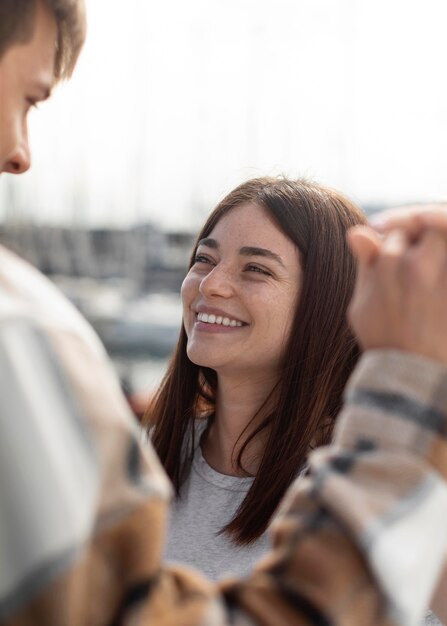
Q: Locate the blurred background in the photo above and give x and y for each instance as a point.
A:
(175, 102)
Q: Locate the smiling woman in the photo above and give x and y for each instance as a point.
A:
(258, 373)
(239, 299)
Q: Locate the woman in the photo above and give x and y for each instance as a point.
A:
(258, 373)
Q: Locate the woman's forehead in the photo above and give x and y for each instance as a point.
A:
(245, 218)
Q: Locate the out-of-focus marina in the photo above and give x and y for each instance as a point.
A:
(125, 282)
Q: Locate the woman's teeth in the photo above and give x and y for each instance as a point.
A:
(217, 319)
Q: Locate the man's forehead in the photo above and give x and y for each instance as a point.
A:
(33, 66)
(39, 53)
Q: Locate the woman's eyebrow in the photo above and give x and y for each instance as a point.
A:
(253, 251)
(209, 242)
(245, 251)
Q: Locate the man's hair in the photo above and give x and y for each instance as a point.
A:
(17, 22)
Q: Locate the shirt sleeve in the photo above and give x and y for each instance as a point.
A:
(362, 539)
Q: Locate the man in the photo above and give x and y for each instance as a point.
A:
(83, 506)
(39, 44)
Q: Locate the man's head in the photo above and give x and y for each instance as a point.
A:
(40, 41)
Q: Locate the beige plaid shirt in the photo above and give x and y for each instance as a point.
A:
(83, 506)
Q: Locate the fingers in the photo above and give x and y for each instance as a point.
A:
(395, 244)
(436, 220)
(399, 299)
(412, 219)
(423, 261)
(428, 258)
(364, 243)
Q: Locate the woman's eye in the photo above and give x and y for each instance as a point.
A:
(201, 258)
(258, 270)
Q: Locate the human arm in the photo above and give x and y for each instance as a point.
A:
(425, 226)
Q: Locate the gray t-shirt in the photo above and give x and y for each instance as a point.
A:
(432, 620)
(209, 500)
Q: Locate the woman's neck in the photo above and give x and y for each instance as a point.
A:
(236, 404)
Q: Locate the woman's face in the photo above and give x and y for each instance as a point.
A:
(240, 295)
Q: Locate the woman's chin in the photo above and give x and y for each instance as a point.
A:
(200, 359)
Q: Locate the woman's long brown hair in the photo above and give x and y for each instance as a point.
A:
(318, 359)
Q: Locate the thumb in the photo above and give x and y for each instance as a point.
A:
(365, 243)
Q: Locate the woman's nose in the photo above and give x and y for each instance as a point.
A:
(219, 282)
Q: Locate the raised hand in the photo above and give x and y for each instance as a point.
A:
(400, 300)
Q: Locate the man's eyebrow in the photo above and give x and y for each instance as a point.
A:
(253, 251)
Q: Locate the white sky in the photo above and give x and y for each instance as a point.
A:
(175, 102)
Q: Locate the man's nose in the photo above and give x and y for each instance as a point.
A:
(19, 161)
